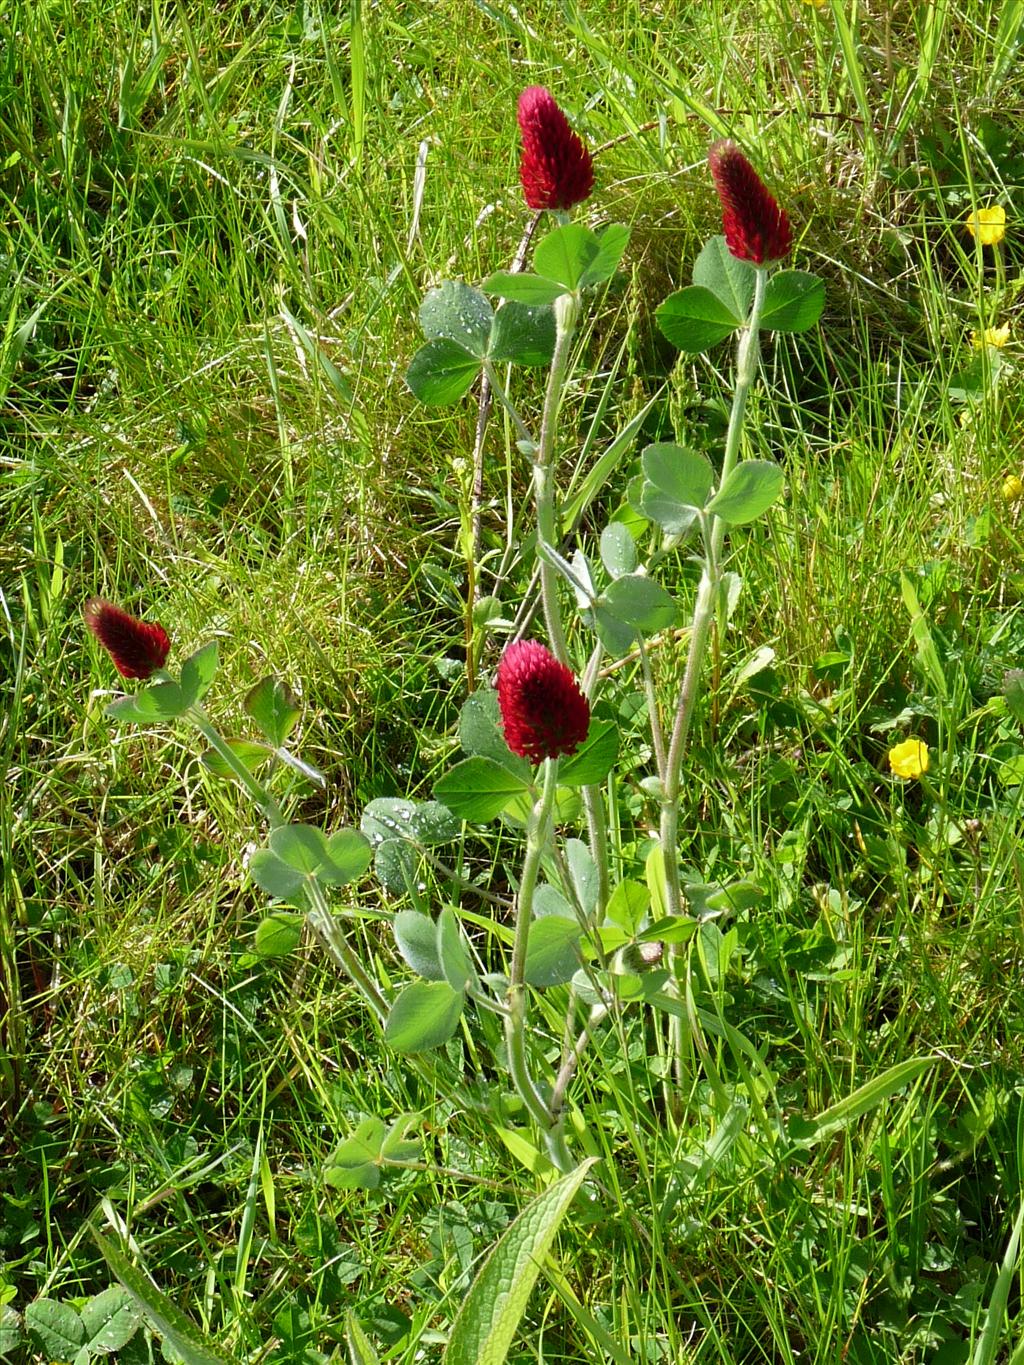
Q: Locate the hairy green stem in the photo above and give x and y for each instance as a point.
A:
(566, 310)
(331, 934)
(537, 832)
(253, 786)
(320, 915)
(500, 392)
(747, 356)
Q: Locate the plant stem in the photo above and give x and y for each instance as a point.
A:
(747, 355)
(566, 310)
(333, 937)
(515, 1023)
(499, 391)
(255, 788)
(569, 1065)
(657, 737)
(320, 916)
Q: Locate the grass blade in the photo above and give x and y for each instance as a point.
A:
(988, 1342)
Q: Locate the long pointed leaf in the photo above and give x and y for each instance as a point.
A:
(162, 1314)
(489, 1317)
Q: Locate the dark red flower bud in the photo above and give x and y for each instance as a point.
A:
(556, 170)
(543, 711)
(755, 228)
(137, 649)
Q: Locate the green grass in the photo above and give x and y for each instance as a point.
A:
(213, 242)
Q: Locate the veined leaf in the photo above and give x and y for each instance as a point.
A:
(487, 1322)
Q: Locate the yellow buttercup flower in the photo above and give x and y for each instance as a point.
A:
(1013, 488)
(816, 4)
(991, 336)
(988, 225)
(909, 759)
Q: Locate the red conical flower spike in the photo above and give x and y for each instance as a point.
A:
(137, 648)
(556, 170)
(543, 711)
(755, 228)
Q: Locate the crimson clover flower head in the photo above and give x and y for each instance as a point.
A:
(556, 170)
(138, 648)
(543, 711)
(755, 228)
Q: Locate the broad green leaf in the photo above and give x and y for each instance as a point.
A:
(522, 287)
(628, 904)
(128, 709)
(424, 822)
(198, 671)
(612, 242)
(478, 789)
(302, 847)
(163, 1316)
(548, 900)
(865, 1098)
(153, 705)
(750, 489)
(111, 1319)
(670, 929)
(677, 482)
(441, 372)
(10, 1329)
(394, 863)
(456, 312)
(348, 855)
(793, 301)
(618, 550)
(452, 951)
(247, 751)
(565, 254)
(683, 475)
(357, 1344)
(424, 1015)
(416, 936)
(733, 897)
(397, 1145)
(583, 581)
(480, 733)
(488, 1320)
(694, 319)
(523, 334)
(551, 956)
(355, 1163)
(730, 280)
(583, 872)
(274, 707)
(57, 1327)
(274, 876)
(641, 603)
(616, 638)
(278, 933)
(594, 759)
(1013, 691)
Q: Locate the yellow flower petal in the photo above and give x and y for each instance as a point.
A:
(991, 336)
(909, 759)
(988, 225)
(1013, 488)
